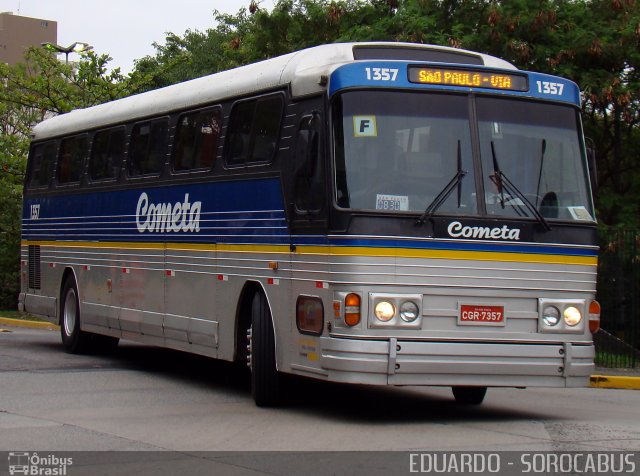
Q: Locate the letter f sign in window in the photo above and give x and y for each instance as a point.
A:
(364, 126)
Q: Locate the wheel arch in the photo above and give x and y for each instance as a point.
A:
(68, 273)
(243, 317)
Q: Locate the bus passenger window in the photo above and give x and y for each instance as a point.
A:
(42, 160)
(253, 131)
(107, 153)
(70, 159)
(196, 141)
(147, 150)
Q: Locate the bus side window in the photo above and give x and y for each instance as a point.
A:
(42, 159)
(196, 140)
(253, 130)
(70, 159)
(309, 168)
(107, 153)
(147, 150)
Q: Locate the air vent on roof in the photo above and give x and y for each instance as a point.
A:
(414, 54)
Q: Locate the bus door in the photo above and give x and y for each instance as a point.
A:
(309, 258)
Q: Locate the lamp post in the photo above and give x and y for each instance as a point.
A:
(77, 47)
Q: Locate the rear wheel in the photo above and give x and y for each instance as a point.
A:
(265, 380)
(469, 395)
(74, 340)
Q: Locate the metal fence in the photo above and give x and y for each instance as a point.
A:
(618, 341)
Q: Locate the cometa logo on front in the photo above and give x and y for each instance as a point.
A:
(458, 230)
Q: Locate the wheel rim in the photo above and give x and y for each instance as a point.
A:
(70, 315)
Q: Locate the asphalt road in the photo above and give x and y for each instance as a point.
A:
(148, 399)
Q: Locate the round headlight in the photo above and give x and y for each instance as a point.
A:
(385, 311)
(550, 316)
(409, 311)
(572, 316)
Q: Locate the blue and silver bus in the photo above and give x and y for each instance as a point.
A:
(373, 213)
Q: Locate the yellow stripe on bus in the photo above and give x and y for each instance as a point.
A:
(449, 254)
(355, 251)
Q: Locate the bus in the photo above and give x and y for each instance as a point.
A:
(372, 213)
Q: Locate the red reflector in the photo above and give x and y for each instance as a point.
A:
(594, 316)
(309, 315)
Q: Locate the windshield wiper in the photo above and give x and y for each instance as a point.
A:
(437, 202)
(503, 183)
(544, 148)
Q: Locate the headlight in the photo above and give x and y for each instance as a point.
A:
(551, 315)
(384, 311)
(409, 311)
(572, 316)
(394, 311)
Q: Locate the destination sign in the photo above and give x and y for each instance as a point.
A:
(471, 78)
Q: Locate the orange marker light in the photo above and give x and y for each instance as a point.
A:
(352, 309)
(336, 308)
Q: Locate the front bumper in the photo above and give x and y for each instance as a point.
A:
(404, 362)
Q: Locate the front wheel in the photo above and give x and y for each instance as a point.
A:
(265, 380)
(469, 395)
(74, 340)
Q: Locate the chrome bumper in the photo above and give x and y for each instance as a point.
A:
(398, 362)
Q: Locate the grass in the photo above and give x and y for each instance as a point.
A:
(621, 361)
(23, 316)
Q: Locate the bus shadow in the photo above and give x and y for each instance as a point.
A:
(190, 369)
(340, 402)
(361, 403)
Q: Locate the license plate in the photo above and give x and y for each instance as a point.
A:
(481, 315)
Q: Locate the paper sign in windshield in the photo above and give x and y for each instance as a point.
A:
(365, 126)
(580, 213)
(392, 202)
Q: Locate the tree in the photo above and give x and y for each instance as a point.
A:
(596, 44)
(38, 88)
(13, 148)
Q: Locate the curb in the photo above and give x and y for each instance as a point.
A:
(7, 321)
(615, 381)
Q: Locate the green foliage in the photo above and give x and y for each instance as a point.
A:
(41, 87)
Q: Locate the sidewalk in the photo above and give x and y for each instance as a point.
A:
(602, 378)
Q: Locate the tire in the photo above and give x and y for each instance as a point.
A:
(74, 340)
(265, 381)
(469, 395)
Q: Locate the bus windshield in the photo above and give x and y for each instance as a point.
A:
(398, 152)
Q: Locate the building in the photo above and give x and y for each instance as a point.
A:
(18, 33)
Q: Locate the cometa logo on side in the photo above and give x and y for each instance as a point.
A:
(170, 217)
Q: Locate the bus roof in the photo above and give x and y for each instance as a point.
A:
(301, 71)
